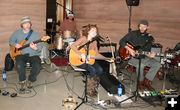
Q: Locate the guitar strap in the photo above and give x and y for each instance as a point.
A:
(29, 34)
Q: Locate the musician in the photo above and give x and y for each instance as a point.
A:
(95, 70)
(30, 54)
(144, 40)
(69, 24)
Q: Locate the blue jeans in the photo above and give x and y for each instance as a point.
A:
(34, 61)
(94, 70)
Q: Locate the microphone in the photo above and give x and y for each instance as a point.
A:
(99, 38)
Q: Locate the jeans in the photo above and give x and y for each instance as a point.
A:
(34, 61)
(94, 70)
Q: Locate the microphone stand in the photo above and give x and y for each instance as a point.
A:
(53, 51)
(136, 95)
(85, 98)
(64, 7)
(130, 14)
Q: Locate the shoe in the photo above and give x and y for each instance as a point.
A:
(141, 85)
(29, 85)
(147, 85)
(22, 85)
(47, 61)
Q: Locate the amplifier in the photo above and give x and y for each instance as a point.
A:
(157, 48)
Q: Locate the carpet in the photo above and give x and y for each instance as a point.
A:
(60, 61)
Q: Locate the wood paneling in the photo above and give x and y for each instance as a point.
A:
(112, 18)
(11, 11)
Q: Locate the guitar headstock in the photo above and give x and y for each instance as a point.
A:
(45, 38)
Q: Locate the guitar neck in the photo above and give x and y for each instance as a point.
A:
(93, 57)
(27, 45)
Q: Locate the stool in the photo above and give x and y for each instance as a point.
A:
(76, 69)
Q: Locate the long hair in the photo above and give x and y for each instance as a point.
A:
(87, 28)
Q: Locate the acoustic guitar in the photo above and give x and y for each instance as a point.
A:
(76, 60)
(17, 51)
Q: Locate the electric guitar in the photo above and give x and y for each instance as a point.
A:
(125, 54)
(17, 51)
(76, 60)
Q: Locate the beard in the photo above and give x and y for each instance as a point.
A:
(143, 31)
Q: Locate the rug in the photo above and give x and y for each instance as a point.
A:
(60, 61)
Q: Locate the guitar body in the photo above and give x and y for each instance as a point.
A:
(14, 51)
(124, 53)
(75, 59)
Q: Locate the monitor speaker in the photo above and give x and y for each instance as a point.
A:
(110, 83)
(132, 2)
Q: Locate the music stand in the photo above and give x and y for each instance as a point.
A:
(85, 98)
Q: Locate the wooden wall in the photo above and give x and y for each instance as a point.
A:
(112, 18)
(11, 12)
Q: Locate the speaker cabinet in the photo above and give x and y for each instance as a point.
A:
(132, 2)
(110, 83)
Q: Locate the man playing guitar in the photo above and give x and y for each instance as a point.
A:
(31, 54)
(143, 40)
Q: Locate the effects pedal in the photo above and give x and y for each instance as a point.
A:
(13, 95)
(141, 93)
(153, 93)
(147, 93)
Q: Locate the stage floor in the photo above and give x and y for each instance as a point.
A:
(55, 83)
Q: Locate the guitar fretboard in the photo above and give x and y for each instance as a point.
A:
(27, 45)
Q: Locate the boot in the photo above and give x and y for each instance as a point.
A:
(91, 88)
(141, 85)
(22, 85)
(147, 85)
(96, 79)
(29, 85)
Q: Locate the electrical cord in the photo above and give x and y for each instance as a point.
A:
(16, 87)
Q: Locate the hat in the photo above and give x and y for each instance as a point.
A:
(25, 19)
(145, 22)
(70, 14)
